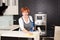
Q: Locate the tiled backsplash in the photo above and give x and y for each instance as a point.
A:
(6, 21)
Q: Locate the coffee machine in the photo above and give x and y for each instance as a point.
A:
(40, 19)
(41, 22)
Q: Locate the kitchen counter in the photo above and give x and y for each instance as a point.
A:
(35, 35)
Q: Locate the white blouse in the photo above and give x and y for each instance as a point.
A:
(21, 24)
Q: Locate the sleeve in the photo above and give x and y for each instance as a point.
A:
(21, 24)
(31, 18)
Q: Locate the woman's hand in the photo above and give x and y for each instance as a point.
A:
(30, 33)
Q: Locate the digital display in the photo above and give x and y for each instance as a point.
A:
(39, 17)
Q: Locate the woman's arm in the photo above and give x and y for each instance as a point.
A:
(26, 31)
(22, 26)
(34, 28)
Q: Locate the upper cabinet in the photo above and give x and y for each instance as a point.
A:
(11, 2)
(12, 7)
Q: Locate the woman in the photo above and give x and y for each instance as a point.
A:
(26, 21)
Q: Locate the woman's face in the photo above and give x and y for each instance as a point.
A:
(25, 13)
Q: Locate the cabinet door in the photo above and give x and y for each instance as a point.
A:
(13, 38)
(9, 38)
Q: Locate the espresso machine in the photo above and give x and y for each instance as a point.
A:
(41, 22)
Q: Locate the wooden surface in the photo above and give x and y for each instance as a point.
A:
(57, 33)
